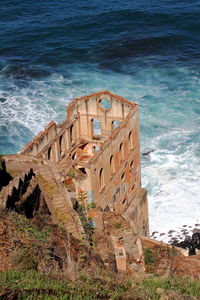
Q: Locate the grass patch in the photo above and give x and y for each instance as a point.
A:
(32, 285)
(148, 255)
(24, 227)
(183, 286)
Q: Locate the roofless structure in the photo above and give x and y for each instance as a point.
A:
(90, 160)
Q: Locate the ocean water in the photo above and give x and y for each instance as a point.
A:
(147, 51)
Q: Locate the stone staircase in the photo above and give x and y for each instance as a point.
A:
(58, 200)
(52, 188)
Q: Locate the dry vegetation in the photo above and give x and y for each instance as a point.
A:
(40, 260)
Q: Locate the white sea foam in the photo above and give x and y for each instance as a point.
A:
(169, 122)
(174, 187)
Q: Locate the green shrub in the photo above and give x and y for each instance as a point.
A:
(148, 256)
(23, 226)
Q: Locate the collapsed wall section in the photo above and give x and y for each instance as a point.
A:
(100, 114)
(55, 142)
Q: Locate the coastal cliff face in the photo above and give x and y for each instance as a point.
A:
(40, 259)
(71, 201)
(38, 193)
(30, 208)
(37, 241)
(85, 175)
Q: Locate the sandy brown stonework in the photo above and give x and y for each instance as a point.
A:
(91, 160)
(104, 144)
(84, 175)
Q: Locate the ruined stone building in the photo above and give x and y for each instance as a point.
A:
(93, 157)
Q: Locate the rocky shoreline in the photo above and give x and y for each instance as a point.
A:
(187, 238)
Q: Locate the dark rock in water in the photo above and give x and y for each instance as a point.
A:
(171, 231)
(148, 152)
(190, 243)
(154, 232)
(197, 224)
(185, 232)
(195, 230)
(174, 239)
(162, 234)
(184, 225)
(196, 240)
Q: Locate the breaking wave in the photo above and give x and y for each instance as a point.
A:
(52, 52)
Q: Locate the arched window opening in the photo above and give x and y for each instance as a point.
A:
(130, 140)
(96, 148)
(107, 209)
(41, 139)
(49, 153)
(121, 152)
(96, 127)
(60, 144)
(71, 133)
(115, 124)
(74, 156)
(131, 166)
(101, 178)
(30, 149)
(105, 104)
(83, 170)
(112, 164)
(135, 182)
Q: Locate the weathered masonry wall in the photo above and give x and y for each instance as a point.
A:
(101, 136)
(100, 114)
(87, 119)
(55, 141)
(116, 176)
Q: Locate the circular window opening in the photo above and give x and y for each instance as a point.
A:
(105, 103)
(115, 124)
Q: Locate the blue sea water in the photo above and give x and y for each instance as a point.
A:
(147, 51)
